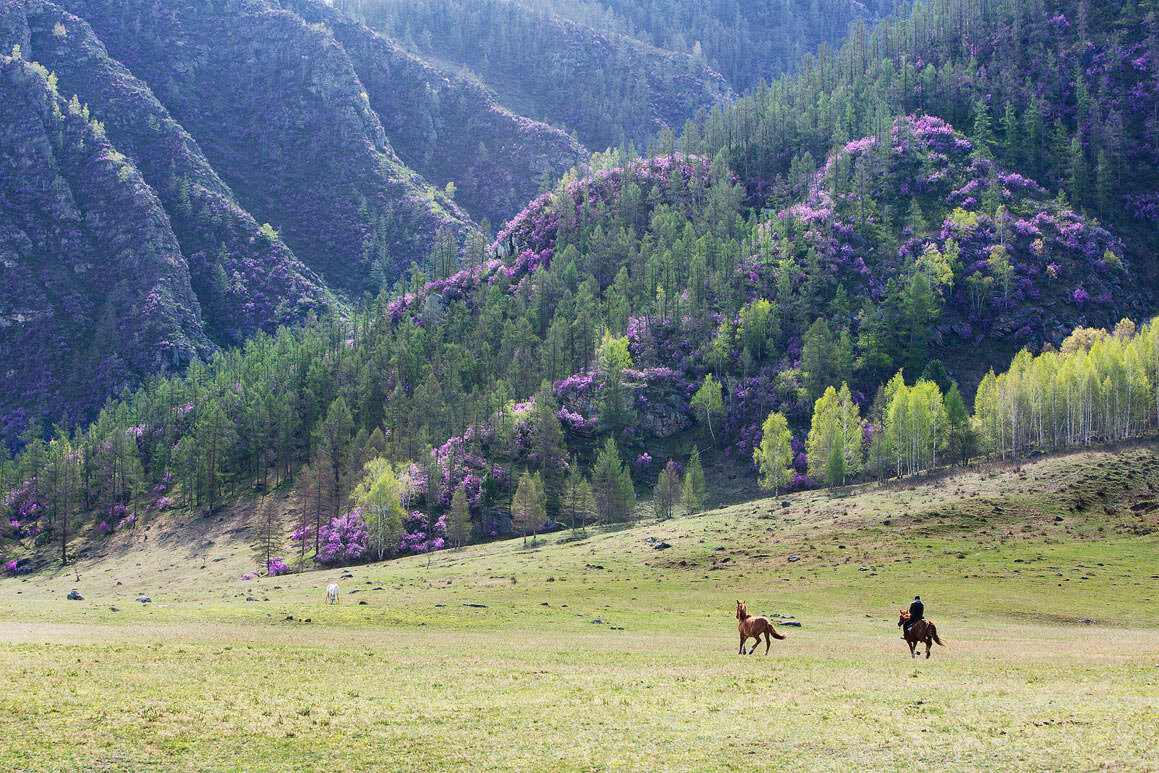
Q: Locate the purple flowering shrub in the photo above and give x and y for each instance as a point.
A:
(344, 540)
(276, 566)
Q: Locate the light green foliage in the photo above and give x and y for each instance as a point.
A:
(719, 354)
(1099, 386)
(774, 456)
(835, 433)
(965, 220)
(936, 268)
(614, 400)
(1001, 268)
(758, 328)
(459, 521)
(917, 426)
(708, 402)
(379, 494)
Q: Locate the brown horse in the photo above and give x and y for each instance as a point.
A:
(754, 627)
(922, 631)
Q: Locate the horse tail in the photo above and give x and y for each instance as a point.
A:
(934, 635)
(776, 635)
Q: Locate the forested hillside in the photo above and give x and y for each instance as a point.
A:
(1064, 92)
(614, 71)
(257, 142)
(864, 239)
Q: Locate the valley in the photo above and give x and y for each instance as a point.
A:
(604, 652)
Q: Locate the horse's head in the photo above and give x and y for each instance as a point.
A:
(742, 610)
(902, 618)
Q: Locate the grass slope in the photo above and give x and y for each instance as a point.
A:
(1041, 577)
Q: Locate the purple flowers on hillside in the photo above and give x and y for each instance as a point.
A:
(343, 540)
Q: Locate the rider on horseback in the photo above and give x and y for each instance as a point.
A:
(916, 612)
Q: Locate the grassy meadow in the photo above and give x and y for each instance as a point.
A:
(605, 653)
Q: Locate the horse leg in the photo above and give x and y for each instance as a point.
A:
(928, 643)
(912, 648)
(742, 638)
(768, 641)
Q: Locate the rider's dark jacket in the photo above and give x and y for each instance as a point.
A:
(916, 611)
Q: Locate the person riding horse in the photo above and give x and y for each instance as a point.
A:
(916, 612)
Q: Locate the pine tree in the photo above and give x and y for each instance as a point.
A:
(548, 451)
(835, 468)
(961, 434)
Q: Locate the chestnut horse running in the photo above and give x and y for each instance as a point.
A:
(922, 631)
(753, 627)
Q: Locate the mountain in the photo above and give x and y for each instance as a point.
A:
(866, 238)
(446, 126)
(277, 108)
(608, 89)
(302, 159)
(616, 71)
(277, 183)
(95, 286)
(1063, 92)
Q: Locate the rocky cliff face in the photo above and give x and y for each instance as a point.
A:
(94, 290)
(271, 149)
(277, 108)
(244, 279)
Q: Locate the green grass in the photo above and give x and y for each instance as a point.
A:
(1052, 627)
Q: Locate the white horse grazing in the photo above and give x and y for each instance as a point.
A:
(332, 593)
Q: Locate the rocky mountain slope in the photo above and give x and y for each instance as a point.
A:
(260, 141)
(95, 288)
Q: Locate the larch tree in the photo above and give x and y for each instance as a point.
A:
(577, 502)
(667, 491)
(527, 510)
(612, 486)
(459, 523)
(692, 491)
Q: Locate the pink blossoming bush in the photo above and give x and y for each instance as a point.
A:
(343, 540)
